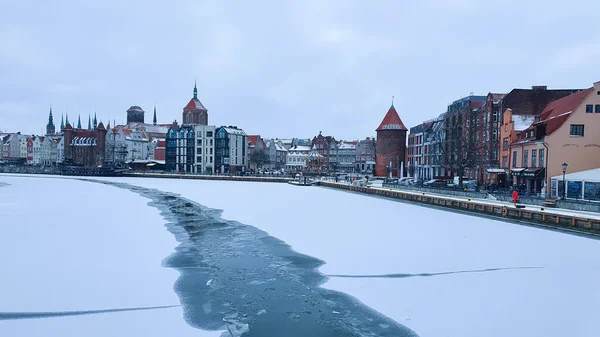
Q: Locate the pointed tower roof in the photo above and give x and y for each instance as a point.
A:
(62, 121)
(67, 119)
(154, 119)
(95, 120)
(195, 103)
(89, 122)
(391, 121)
(50, 118)
(79, 122)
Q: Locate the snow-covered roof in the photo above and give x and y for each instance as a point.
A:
(589, 175)
(300, 148)
(280, 147)
(522, 122)
(347, 146)
(233, 131)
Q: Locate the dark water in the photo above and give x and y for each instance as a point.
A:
(237, 278)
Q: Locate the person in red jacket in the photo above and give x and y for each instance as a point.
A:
(515, 197)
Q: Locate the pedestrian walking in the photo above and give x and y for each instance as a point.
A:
(515, 197)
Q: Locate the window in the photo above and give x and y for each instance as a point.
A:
(525, 157)
(209, 134)
(504, 161)
(541, 158)
(589, 108)
(506, 127)
(577, 130)
(199, 142)
(533, 158)
(505, 144)
(494, 134)
(495, 116)
(211, 151)
(211, 142)
(597, 108)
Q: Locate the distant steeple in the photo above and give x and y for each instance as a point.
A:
(108, 125)
(62, 122)
(195, 90)
(66, 119)
(154, 119)
(79, 122)
(89, 122)
(95, 121)
(50, 128)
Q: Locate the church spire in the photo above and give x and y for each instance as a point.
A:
(95, 121)
(67, 119)
(62, 122)
(89, 122)
(154, 119)
(195, 90)
(79, 122)
(50, 129)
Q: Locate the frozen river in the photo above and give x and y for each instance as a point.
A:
(279, 260)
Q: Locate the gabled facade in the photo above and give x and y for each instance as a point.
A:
(365, 156)
(297, 158)
(277, 154)
(346, 156)
(84, 147)
(255, 143)
(124, 144)
(564, 132)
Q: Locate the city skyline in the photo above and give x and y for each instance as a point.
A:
(327, 67)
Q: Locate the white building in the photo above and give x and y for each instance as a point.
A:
(60, 150)
(346, 156)
(124, 144)
(204, 149)
(22, 146)
(297, 157)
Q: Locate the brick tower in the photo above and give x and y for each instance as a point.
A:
(194, 112)
(391, 145)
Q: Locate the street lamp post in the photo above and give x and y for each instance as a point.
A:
(564, 167)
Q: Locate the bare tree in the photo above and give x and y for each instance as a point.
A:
(259, 157)
(457, 144)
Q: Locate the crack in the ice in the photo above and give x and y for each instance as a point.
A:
(240, 280)
(49, 314)
(430, 274)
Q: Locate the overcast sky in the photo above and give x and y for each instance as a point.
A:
(284, 68)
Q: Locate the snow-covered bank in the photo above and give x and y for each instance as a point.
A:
(69, 245)
(360, 235)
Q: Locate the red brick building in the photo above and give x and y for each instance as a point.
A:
(194, 112)
(84, 147)
(391, 145)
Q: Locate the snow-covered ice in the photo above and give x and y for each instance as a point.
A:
(438, 273)
(363, 235)
(68, 245)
